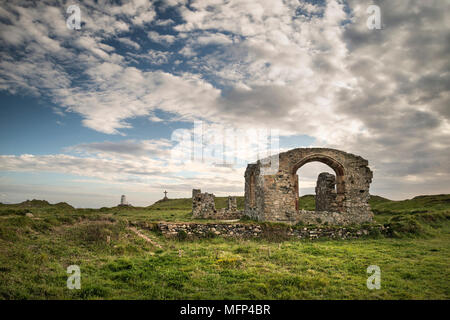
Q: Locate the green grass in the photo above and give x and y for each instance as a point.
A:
(117, 264)
(171, 211)
(385, 210)
(307, 202)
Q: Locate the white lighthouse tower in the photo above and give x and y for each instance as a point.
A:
(123, 201)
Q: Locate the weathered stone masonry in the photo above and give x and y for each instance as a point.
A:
(203, 207)
(248, 231)
(274, 197)
(202, 204)
(326, 193)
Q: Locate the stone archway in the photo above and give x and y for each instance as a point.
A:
(274, 197)
(333, 164)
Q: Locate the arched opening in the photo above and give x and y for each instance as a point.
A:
(307, 183)
(322, 177)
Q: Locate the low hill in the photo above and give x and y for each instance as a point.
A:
(377, 199)
(34, 206)
(419, 204)
(180, 203)
(307, 202)
(37, 204)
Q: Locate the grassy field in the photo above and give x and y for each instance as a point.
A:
(118, 264)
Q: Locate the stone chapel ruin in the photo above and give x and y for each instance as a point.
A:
(341, 199)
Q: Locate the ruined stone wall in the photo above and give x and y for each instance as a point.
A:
(327, 218)
(203, 204)
(276, 195)
(227, 214)
(247, 231)
(254, 193)
(326, 193)
(195, 192)
(203, 207)
(231, 203)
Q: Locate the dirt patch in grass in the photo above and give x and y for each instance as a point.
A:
(143, 236)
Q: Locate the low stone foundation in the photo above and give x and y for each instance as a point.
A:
(328, 218)
(246, 231)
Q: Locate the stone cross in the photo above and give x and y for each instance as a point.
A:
(165, 193)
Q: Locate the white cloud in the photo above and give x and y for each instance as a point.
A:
(214, 39)
(130, 43)
(126, 148)
(154, 57)
(161, 38)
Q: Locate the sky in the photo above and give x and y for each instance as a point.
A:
(114, 107)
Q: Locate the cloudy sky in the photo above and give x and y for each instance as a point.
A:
(89, 114)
